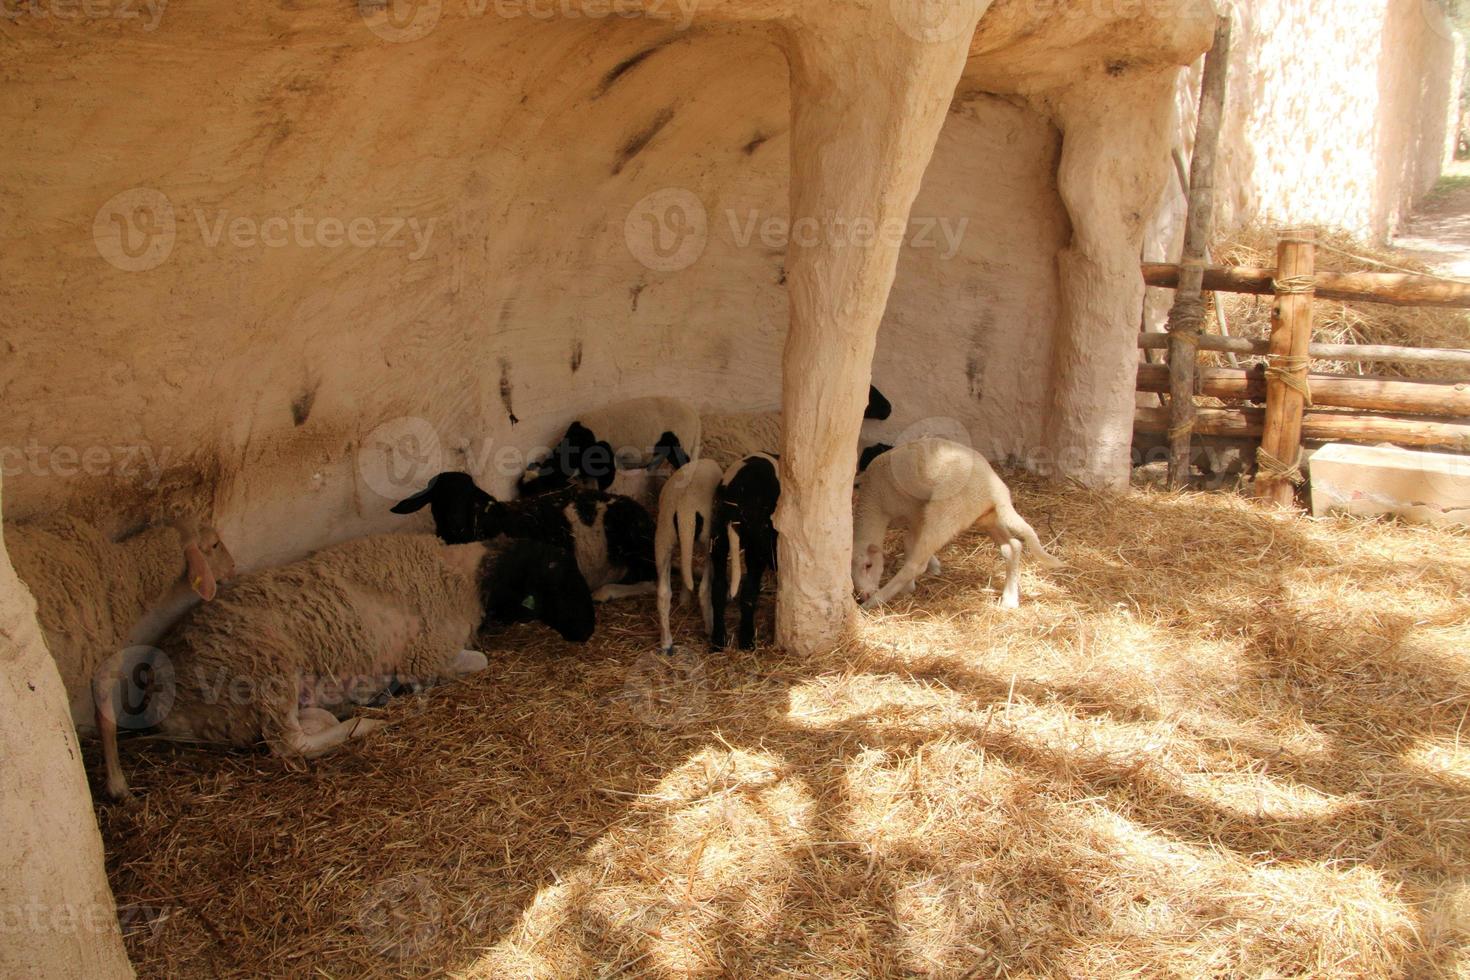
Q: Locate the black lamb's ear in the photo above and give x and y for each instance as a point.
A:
(579, 436)
(878, 406)
(411, 504)
(669, 449)
(871, 453)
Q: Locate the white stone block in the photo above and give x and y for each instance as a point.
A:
(1374, 480)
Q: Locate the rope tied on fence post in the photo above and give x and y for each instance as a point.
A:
(1291, 370)
(1294, 285)
(1272, 468)
(1187, 320)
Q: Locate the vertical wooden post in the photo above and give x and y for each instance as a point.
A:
(1186, 318)
(1279, 458)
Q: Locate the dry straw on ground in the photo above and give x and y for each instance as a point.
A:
(1222, 743)
(1336, 322)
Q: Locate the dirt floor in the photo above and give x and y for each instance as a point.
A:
(1221, 743)
(1438, 232)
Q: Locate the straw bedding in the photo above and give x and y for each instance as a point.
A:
(1222, 743)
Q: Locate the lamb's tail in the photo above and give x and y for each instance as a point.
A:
(734, 561)
(1018, 528)
(686, 552)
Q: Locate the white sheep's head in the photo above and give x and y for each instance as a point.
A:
(207, 561)
(867, 570)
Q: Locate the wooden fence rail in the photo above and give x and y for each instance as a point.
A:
(1393, 289)
(1447, 398)
(1323, 352)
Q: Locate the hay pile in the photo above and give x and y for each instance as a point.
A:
(1223, 743)
(1335, 322)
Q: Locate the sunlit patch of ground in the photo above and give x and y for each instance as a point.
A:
(1220, 743)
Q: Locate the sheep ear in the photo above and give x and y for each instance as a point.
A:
(414, 503)
(201, 577)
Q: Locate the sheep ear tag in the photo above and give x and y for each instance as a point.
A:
(529, 602)
(201, 578)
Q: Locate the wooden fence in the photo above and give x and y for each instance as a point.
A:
(1342, 408)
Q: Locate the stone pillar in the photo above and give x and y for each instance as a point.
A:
(57, 917)
(869, 93)
(1116, 137)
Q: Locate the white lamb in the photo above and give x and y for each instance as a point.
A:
(937, 488)
(94, 597)
(684, 508)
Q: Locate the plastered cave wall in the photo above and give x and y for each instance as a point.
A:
(243, 256)
(1342, 118)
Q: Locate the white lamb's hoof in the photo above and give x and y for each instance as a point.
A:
(119, 792)
(870, 603)
(933, 568)
(365, 726)
(1010, 602)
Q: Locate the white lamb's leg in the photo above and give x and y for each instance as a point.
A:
(314, 721)
(706, 599)
(468, 662)
(665, 593)
(1010, 596)
(328, 735)
(936, 529)
(610, 592)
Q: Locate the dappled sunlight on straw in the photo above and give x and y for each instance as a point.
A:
(1220, 742)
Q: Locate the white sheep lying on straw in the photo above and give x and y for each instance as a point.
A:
(938, 488)
(280, 650)
(93, 595)
(684, 508)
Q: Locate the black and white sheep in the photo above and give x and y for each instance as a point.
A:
(937, 488)
(95, 597)
(685, 515)
(742, 542)
(638, 433)
(611, 536)
(729, 438)
(277, 655)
